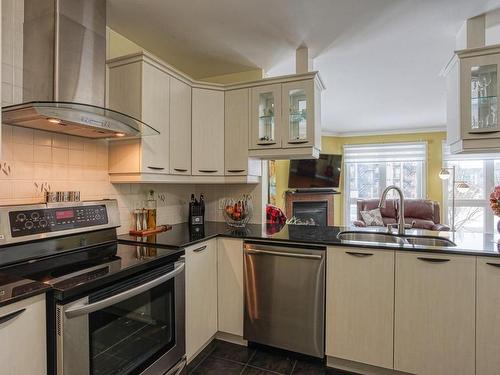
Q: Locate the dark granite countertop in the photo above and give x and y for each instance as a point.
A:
(13, 289)
(181, 236)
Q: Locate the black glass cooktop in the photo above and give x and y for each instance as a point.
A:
(82, 270)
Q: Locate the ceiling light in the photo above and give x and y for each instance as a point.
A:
(463, 187)
(54, 120)
(120, 134)
(444, 174)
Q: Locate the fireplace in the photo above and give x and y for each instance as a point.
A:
(310, 207)
(311, 213)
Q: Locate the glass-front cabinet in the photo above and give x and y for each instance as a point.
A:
(286, 116)
(472, 85)
(266, 117)
(299, 113)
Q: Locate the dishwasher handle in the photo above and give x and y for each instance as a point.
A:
(283, 254)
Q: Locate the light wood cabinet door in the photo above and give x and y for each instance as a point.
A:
(201, 295)
(142, 91)
(237, 118)
(488, 316)
(266, 115)
(23, 338)
(360, 305)
(180, 127)
(155, 113)
(208, 132)
(434, 314)
(230, 285)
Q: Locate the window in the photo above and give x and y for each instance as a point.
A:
(369, 169)
(481, 172)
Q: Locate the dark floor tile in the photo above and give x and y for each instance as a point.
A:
(310, 368)
(233, 352)
(272, 361)
(200, 357)
(217, 366)
(256, 371)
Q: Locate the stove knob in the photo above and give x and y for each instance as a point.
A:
(35, 215)
(21, 217)
(28, 225)
(43, 223)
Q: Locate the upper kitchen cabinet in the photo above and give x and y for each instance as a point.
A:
(208, 132)
(285, 118)
(236, 129)
(141, 90)
(180, 127)
(472, 84)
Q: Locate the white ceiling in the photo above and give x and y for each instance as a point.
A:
(380, 59)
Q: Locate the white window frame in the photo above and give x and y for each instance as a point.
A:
(422, 173)
(488, 185)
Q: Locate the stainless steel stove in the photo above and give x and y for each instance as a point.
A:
(113, 308)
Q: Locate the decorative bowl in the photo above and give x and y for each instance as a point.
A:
(237, 212)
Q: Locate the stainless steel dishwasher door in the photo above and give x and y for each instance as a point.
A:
(285, 297)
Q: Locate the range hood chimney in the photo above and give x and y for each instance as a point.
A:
(64, 68)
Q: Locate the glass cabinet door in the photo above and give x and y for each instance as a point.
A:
(267, 124)
(298, 104)
(266, 117)
(483, 94)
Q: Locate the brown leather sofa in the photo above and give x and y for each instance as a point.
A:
(422, 212)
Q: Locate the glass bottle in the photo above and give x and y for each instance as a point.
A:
(151, 210)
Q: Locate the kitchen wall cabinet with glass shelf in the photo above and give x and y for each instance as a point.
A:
(473, 82)
(285, 119)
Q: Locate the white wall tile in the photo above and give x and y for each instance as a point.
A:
(42, 138)
(22, 135)
(60, 140)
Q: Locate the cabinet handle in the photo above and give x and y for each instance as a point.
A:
(235, 170)
(494, 264)
(483, 131)
(6, 318)
(433, 260)
(298, 142)
(200, 249)
(156, 168)
(266, 143)
(180, 170)
(360, 255)
(207, 170)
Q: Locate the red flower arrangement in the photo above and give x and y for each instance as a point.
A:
(495, 200)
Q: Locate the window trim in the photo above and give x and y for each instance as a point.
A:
(348, 201)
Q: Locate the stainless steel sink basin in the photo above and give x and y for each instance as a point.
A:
(380, 237)
(429, 241)
(370, 237)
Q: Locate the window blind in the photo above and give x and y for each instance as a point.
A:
(385, 152)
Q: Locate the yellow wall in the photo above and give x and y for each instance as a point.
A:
(334, 145)
(117, 45)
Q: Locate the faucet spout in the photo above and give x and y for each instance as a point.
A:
(401, 211)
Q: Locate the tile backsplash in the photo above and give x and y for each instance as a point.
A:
(33, 160)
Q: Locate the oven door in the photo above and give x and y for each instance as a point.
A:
(133, 327)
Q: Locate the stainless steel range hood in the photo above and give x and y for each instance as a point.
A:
(64, 57)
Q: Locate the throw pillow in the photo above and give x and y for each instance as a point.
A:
(372, 217)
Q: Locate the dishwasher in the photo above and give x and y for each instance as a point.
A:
(284, 289)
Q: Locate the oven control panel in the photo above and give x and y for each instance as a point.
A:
(44, 220)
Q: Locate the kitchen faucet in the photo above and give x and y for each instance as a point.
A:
(401, 210)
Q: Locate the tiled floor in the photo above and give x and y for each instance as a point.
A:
(224, 358)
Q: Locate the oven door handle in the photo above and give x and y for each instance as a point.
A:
(85, 309)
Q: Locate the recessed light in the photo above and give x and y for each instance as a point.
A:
(120, 134)
(54, 120)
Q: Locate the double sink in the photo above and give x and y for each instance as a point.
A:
(388, 238)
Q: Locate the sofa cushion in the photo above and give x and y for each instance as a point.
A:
(372, 217)
(421, 209)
